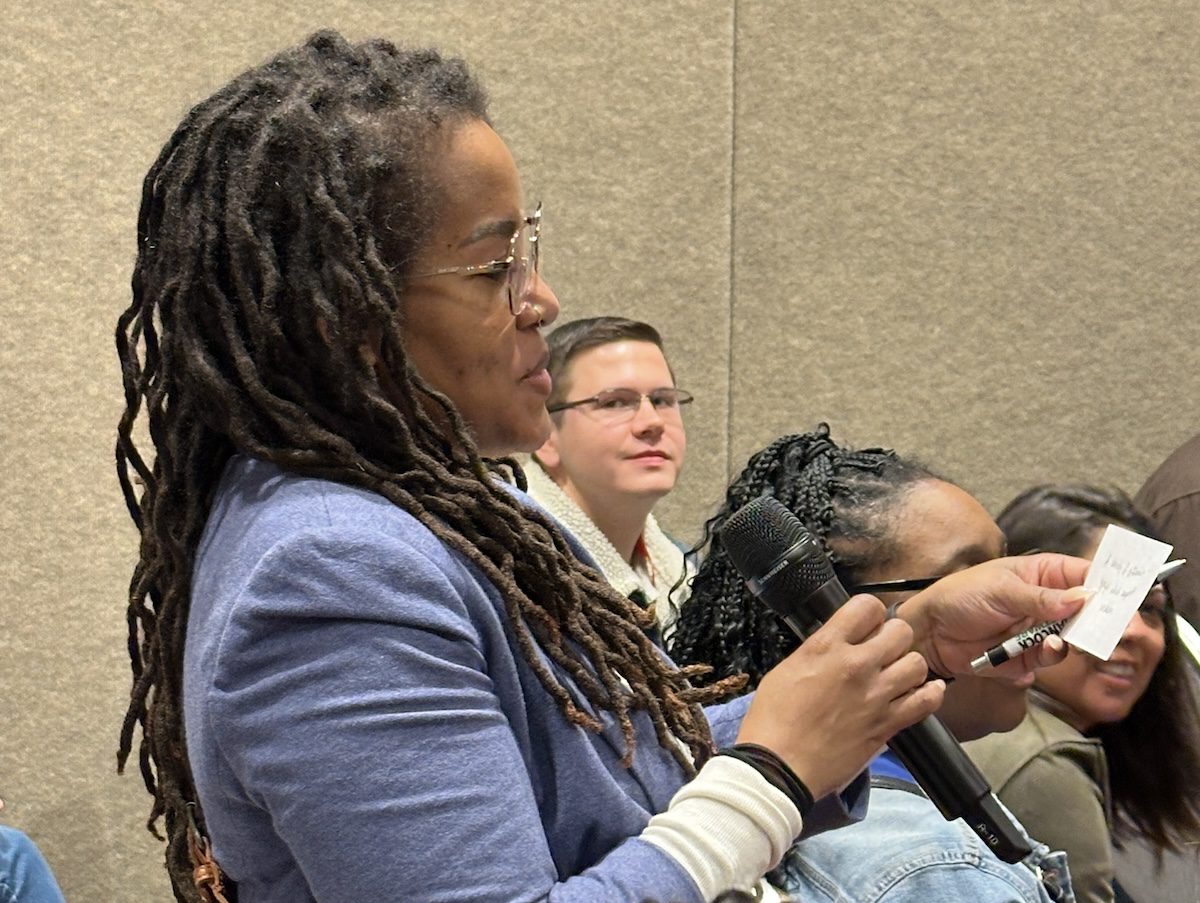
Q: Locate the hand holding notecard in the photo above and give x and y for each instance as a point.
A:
(1122, 575)
(1124, 568)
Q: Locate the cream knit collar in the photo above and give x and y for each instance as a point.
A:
(666, 559)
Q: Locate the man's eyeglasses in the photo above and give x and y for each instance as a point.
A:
(521, 264)
(619, 405)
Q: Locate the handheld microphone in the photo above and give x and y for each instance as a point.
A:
(786, 568)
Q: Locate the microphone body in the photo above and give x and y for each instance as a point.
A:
(785, 567)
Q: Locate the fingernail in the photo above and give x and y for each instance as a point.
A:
(1078, 594)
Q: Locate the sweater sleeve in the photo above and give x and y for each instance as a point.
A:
(1062, 807)
(353, 703)
(833, 811)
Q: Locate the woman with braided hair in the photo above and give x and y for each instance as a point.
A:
(890, 526)
(842, 495)
(364, 667)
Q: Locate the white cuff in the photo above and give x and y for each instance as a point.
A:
(727, 827)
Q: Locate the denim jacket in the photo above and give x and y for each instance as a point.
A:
(904, 850)
(24, 875)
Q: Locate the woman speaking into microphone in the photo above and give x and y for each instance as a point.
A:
(364, 667)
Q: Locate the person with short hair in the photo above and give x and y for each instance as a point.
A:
(617, 445)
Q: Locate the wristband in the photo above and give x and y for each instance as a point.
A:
(775, 770)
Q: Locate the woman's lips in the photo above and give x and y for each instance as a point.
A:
(538, 376)
(539, 379)
(1119, 670)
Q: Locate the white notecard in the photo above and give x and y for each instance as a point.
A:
(1125, 567)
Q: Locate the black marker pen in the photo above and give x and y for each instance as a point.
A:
(1014, 646)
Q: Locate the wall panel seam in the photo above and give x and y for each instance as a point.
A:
(729, 360)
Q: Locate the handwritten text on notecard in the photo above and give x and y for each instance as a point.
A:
(1123, 570)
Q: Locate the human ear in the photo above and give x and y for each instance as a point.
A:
(548, 455)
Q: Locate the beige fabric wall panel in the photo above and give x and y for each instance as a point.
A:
(968, 231)
(961, 230)
(626, 125)
(620, 121)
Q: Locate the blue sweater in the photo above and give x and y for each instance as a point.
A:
(363, 727)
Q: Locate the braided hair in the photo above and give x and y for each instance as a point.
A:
(275, 229)
(1153, 753)
(845, 498)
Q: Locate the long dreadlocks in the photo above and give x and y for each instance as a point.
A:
(275, 228)
(844, 497)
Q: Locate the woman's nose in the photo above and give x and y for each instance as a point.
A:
(542, 297)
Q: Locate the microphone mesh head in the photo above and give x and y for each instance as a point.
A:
(757, 534)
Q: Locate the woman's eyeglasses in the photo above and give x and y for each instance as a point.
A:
(908, 586)
(521, 264)
(619, 405)
(894, 586)
(1155, 606)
